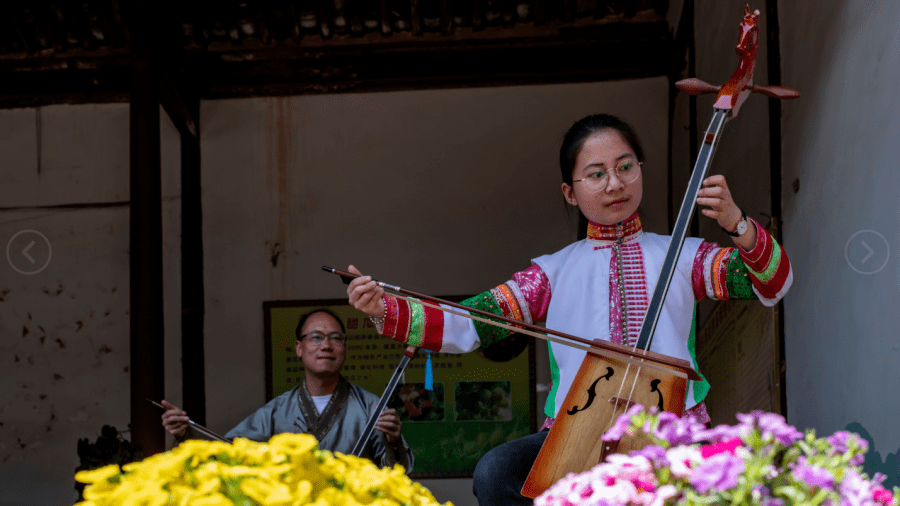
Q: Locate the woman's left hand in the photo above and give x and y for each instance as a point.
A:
(717, 197)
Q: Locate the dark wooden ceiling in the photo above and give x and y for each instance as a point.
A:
(72, 51)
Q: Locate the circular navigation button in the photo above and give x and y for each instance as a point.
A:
(28, 252)
(867, 252)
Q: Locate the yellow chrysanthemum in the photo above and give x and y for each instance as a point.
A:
(289, 470)
(96, 475)
(212, 500)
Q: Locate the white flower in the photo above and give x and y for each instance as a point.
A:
(682, 459)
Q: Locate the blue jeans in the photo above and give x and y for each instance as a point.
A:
(501, 472)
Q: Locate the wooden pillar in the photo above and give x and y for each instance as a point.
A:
(773, 59)
(694, 135)
(146, 299)
(193, 368)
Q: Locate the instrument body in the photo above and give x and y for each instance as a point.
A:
(595, 396)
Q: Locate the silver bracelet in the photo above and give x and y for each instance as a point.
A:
(379, 321)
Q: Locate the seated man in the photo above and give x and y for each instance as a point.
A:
(325, 405)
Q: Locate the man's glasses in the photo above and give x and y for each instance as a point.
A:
(317, 338)
(627, 172)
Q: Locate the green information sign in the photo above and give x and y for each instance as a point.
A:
(480, 399)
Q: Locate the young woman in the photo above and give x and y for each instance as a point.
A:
(596, 287)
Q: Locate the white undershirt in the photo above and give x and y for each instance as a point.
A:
(321, 401)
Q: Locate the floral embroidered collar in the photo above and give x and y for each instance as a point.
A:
(606, 235)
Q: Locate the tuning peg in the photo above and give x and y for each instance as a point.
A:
(694, 86)
(775, 91)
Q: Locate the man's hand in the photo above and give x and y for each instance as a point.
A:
(175, 420)
(389, 424)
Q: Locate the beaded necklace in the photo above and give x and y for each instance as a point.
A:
(623, 301)
(629, 276)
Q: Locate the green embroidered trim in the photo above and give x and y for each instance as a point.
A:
(700, 388)
(550, 405)
(416, 324)
(488, 334)
(737, 281)
(769, 272)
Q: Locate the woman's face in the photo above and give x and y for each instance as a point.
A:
(619, 200)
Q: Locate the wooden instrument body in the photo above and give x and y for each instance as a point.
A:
(597, 397)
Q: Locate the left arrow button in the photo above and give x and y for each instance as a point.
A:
(25, 252)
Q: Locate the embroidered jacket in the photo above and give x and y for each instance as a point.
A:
(576, 290)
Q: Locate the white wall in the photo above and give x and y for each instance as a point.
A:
(443, 192)
(64, 331)
(841, 142)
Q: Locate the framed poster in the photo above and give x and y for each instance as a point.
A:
(480, 399)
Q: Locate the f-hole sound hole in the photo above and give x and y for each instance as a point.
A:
(591, 392)
(654, 387)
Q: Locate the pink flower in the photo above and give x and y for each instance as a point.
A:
(721, 447)
(880, 495)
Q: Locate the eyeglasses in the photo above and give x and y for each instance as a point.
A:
(627, 172)
(317, 338)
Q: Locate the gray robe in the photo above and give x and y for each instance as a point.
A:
(337, 429)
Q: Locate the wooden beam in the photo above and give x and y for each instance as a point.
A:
(325, 9)
(446, 18)
(477, 15)
(49, 25)
(78, 18)
(630, 50)
(509, 13)
(114, 26)
(415, 17)
(176, 102)
(353, 12)
(30, 47)
(386, 29)
(29, 88)
(294, 16)
(537, 12)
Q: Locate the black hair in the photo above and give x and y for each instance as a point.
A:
(574, 141)
(314, 311)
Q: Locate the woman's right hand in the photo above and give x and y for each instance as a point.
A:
(365, 295)
(175, 420)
